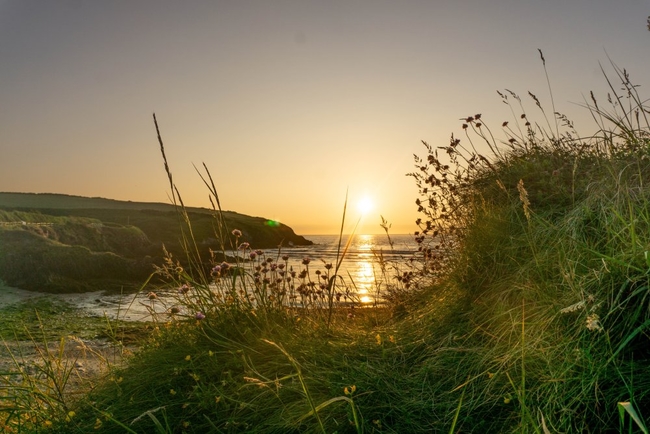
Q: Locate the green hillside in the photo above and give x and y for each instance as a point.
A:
(158, 220)
(60, 243)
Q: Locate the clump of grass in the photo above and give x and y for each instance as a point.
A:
(548, 234)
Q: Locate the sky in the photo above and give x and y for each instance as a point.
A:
(290, 104)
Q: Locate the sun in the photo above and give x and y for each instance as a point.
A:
(365, 205)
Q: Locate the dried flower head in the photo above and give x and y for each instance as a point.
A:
(593, 323)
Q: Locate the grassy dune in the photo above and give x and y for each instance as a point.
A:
(532, 312)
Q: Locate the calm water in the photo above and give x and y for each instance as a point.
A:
(360, 266)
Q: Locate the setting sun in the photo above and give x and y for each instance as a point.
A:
(365, 205)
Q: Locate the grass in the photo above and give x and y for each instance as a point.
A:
(535, 251)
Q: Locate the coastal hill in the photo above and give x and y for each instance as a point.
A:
(62, 243)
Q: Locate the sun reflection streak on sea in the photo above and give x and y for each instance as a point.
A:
(360, 267)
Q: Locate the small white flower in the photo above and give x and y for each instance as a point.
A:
(593, 323)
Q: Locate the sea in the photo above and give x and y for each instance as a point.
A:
(370, 261)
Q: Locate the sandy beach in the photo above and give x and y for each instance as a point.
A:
(127, 307)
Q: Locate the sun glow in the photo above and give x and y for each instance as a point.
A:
(365, 205)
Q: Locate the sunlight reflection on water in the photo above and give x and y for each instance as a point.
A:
(360, 267)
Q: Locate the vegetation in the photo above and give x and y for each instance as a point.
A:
(59, 243)
(159, 222)
(535, 317)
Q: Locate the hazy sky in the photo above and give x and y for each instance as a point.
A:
(289, 103)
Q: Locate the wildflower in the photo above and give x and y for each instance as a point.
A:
(184, 289)
(210, 353)
(236, 233)
(152, 296)
(477, 116)
(465, 126)
(225, 266)
(349, 390)
(306, 260)
(188, 358)
(378, 339)
(504, 124)
(48, 424)
(285, 257)
(98, 424)
(216, 270)
(593, 323)
(172, 392)
(174, 310)
(252, 255)
(244, 246)
(199, 316)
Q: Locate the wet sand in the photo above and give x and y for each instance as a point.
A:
(127, 307)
